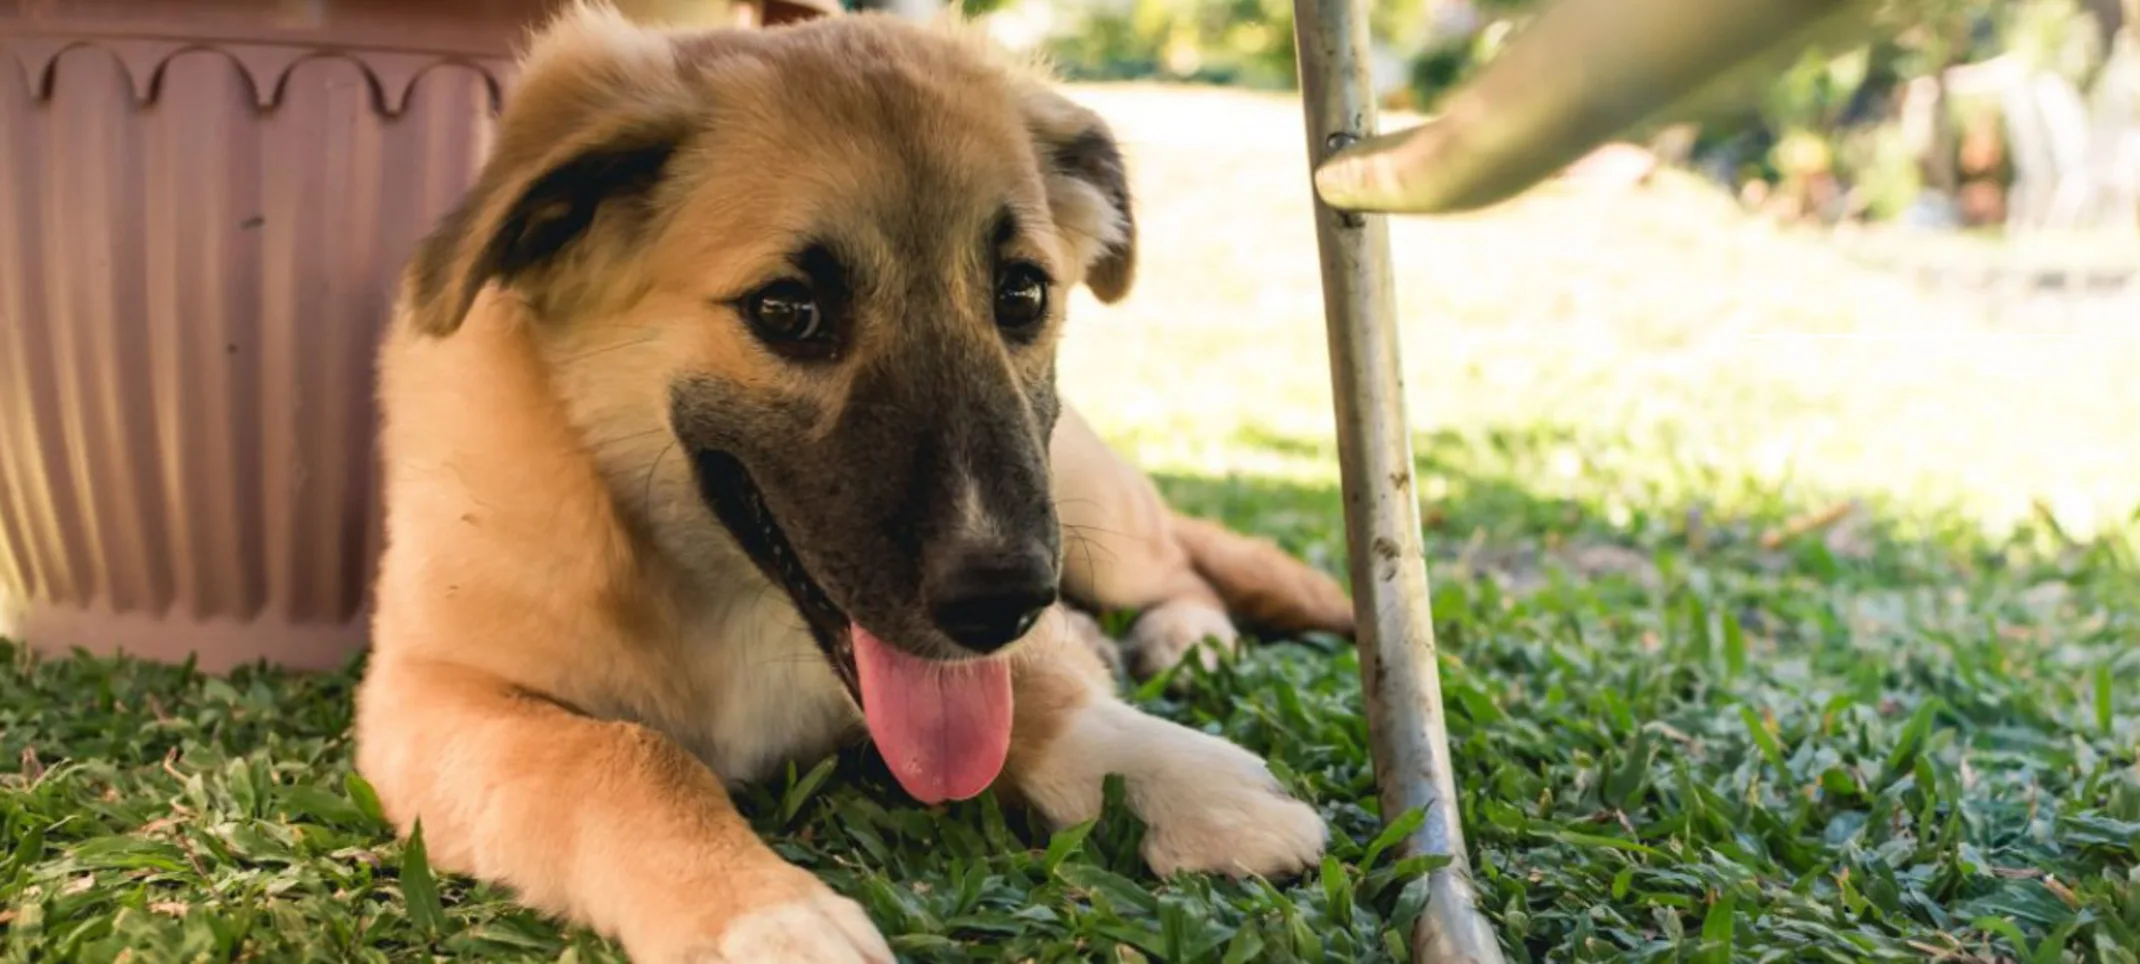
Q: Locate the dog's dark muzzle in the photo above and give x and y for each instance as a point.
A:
(727, 488)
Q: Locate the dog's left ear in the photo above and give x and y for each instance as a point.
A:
(583, 143)
(523, 215)
(1088, 189)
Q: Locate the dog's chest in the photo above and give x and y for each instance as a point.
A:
(763, 693)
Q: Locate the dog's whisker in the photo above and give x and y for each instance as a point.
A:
(1092, 548)
(606, 349)
(646, 495)
(1085, 546)
(1081, 530)
(616, 440)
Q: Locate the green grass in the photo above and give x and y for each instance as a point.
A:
(1702, 708)
(1672, 739)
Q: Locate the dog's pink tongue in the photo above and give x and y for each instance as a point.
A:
(943, 727)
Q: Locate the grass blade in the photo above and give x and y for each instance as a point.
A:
(419, 890)
(1764, 739)
(1717, 929)
(2106, 719)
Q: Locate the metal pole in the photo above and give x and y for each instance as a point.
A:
(1389, 576)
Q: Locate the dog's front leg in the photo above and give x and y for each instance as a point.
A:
(608, 824)
(1207, 804)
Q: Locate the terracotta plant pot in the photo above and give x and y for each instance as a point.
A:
(203, 208)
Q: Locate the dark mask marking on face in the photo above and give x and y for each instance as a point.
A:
(726, 486)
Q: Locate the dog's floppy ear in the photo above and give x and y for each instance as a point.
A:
(510, 225)
(581, 146)
(1088, 189)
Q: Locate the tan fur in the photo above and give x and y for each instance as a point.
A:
(1261, 583)
(572, 658)
(1127, 549)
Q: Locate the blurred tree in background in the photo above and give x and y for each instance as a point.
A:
(1932, 122)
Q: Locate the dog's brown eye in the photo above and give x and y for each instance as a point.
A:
(1021, 297)
(787, 311)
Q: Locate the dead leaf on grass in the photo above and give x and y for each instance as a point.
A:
(1809, 522)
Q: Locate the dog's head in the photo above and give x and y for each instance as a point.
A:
(800, 290)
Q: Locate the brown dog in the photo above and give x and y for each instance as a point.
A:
(718, 430)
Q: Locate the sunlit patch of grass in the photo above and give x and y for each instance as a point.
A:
(1664, 318)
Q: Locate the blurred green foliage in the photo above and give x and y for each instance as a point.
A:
(1236, 42)
(1250, 41)
(1837, 111)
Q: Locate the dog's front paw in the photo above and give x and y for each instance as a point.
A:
(1220, 811)
(819, 928)
(1169, 631)
(1207, 805)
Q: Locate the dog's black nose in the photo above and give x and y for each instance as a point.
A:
(986, 599)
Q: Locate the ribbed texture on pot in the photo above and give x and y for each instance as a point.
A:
(198, 249)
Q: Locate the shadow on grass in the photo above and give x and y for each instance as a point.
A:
(1793, 730)
(1801, 723)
